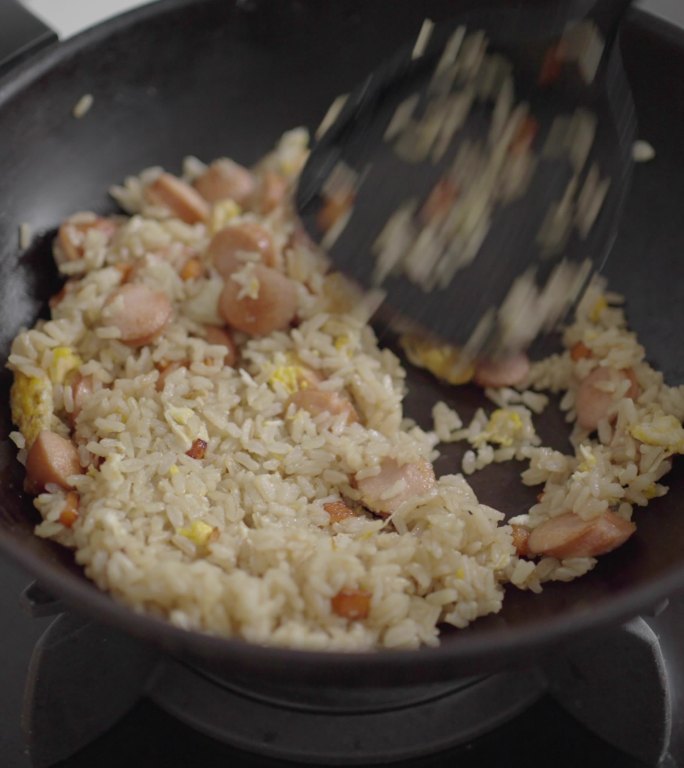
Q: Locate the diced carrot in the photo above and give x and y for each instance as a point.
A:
(338, 510)
(126, 271)
(197, 449)
(439, 201)
(166, 369)
(352, 604)
(333, 209)
(552, 65)
(191, 270)
(69, 514)
(579, 351)
(520, 537)
(56, 300)
(524, 136)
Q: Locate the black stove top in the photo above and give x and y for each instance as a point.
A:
(147, 736)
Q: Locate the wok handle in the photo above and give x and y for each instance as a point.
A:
(22, 34)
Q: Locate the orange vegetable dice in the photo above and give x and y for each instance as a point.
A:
(338, 510)
(352, 604)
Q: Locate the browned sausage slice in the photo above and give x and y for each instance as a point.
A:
(81, 389)
(272, 310)
(317, 401)
(502, 373)
(139, 312)
(568, 535)
(414, 479)
(270, 192)
(247, 237)
(225, 179)
(180, 198)
(594, 401)
(223, 336)
(51, 459)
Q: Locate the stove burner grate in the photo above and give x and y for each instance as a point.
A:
(625, 685)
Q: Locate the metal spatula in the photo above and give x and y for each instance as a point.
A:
(476, 178)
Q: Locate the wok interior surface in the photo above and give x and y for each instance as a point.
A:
(215, 78)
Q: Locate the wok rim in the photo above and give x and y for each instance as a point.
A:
(469, 651)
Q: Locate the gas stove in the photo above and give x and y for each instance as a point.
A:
(90, 696)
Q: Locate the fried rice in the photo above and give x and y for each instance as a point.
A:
(211, 494)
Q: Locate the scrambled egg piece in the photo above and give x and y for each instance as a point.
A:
(185, 424)
(31, 404)
(597, 310)
(248, 281)
(199, 533)
(503, 428)
(443, 361)
(64, 361)
(222, 213)
(662, 430)
(292, 377)
(588, 459)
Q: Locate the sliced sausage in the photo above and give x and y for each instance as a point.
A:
(247, 237)
(51, 459)
(222, 336)
(139, 312)
(317, 401)
(270, 192)
(272, 310)
(224, 180)
(506, 372)
(82, 387)
(179, 198)
(568, 535)
(72, 234)
(416, 480)
(593, 403)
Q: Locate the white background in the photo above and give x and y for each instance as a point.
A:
(67, 17)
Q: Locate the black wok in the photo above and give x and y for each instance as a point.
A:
(217, 77)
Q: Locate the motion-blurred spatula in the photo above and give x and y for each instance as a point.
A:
(476, 178)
